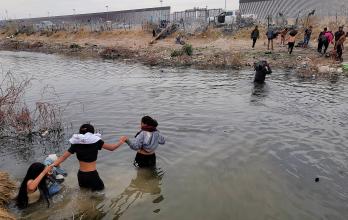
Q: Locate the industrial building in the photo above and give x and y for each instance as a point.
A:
(293, 8)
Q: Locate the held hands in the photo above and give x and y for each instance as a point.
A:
(123, 139)
(49, 168)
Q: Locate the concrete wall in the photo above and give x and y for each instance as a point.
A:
(133, 17)
(291, 8)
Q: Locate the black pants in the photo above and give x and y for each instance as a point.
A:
(326, 45)
(254, 42)
(291, 47)
(90, 180)
(142, 160)
(339, 51)
(320, 46)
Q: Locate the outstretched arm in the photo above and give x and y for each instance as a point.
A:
(112, 147)
(137, 143)
(62, 158)
(33, 184)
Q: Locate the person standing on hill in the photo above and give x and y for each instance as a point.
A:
(321, 40)
(329, 40)
(255, 34)
(283, 34)
(291, 43)
(270, 37)
(339, 46)
(339, 34)
(307, 36)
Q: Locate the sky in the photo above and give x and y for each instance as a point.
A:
(15, 9)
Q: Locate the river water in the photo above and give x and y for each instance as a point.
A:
(233, 151)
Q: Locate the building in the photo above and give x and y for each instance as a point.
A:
(293, 8)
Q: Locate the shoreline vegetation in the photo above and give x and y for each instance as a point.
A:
(7, 187)
(211, 49)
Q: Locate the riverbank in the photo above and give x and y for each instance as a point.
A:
(211, 50)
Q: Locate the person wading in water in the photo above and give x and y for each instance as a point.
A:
(86, 145)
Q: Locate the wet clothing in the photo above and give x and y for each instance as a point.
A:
(262, 69)
(90, 180)
(147, 141)
(142, 160)
(86, 152)
(86, 147)
(34, 196)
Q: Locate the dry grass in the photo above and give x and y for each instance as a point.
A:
(4, 215)
(6, 190)
(15, 116)
(7, 186)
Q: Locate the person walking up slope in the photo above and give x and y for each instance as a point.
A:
(255, 34)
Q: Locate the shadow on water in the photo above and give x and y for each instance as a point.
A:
(146, 183)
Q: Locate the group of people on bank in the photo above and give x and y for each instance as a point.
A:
(86, 145)
(325, 38)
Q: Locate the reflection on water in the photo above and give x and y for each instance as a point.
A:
(146, 183)
(234, 150)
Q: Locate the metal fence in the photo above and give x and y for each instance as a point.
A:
(194, 14)
(98, 21)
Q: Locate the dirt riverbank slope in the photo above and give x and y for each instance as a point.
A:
(211, 50)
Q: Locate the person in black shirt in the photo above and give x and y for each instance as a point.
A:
(262, 68)
(339, 34)
(307, 36)
(86, 145)
(255, 34)
(321, 40)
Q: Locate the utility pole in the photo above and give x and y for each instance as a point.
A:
(107, 10)
(74, 11)
(225, 5)
(161, 2)
(6, 14)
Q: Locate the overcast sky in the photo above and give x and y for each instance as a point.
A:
(38, 8)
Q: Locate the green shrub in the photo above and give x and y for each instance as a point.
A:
(176, 53)
(187, 49)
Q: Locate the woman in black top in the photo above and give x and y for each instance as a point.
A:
(86, 145)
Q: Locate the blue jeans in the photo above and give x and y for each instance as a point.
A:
(306, 40)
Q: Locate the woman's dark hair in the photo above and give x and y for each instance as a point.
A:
(34, 171)
(86, 128)
(149, 121)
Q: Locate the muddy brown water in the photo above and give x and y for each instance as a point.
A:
(233, 151)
